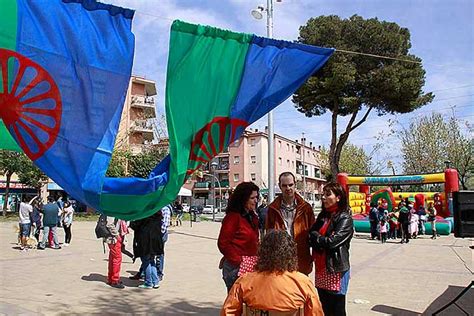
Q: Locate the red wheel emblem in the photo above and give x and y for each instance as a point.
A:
(211, 139)
(30, 103)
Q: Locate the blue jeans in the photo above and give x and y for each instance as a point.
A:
(151, 273)
(46, 234)
(229, 274)
(161, 268)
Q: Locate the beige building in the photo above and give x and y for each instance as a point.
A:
(247, 160)
(136, 128)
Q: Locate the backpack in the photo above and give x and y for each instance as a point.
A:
(101, 229)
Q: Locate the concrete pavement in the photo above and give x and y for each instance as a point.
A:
(392, 279)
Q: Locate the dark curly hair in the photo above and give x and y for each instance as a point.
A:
(240, 196)
(277, 253)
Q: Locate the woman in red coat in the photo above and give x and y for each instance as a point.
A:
(239, 232)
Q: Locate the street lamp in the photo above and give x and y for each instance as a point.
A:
(258, 14)
(303, 140)
(214, 165)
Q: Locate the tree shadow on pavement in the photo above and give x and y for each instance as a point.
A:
(464, 303)
(145, 304)
(96, 277)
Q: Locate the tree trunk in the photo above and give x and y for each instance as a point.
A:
(333, 162)
(338, 144)
(462, 179)
(7, 191)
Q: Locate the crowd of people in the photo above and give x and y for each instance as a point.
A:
(272, 246)
(404, 221)
(150, 236)
(38, 223)
(280, 261)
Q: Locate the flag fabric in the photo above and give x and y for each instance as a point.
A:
(65, 70)
(218, 82)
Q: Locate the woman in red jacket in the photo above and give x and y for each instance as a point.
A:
(239, 231)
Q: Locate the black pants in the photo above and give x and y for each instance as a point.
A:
(67, 232)
(405, 234)
(333, 304)
(373, 229)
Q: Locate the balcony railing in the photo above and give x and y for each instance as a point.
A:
(143, 101)
(201, 185)
(223, 166)
(143, 126)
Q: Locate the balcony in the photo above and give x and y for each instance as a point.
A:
(224, 184)
(144, 102)
(222, 167)
(143, 126)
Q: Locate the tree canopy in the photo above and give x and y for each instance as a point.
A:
(352, 84)
(432, 140)
(126, 164)
(17, 163)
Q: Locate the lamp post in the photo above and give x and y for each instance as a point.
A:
(258, 14)
(214, 166)
(303, 140)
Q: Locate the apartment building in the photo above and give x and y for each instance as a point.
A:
(136, 128)
(247, 160)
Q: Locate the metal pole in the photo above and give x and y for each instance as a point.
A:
(271, 141)
(220, 195)
(303, 140)
(213, 188)
(213, 176)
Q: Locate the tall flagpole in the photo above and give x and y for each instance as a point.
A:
(271, 140)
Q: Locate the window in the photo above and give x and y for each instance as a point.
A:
(236, 160)
(288, 163)
(292, 148)
(287, 147)
(253, 176)
(253, 159)
(279, 161)
(279, 144)
(252, 142)
(293, 164)
(236, 177)
(317, 173)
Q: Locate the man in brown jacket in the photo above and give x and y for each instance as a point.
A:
(292, 213)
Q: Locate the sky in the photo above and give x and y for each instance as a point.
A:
(442, 35)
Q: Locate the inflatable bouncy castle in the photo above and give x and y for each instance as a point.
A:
(442, 201)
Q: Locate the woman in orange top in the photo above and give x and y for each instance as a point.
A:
(276, 285)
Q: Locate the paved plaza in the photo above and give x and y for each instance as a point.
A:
(392, 279)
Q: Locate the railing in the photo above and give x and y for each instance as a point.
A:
(142, 126)
(201, 185)
(222, 166)
(143, 101)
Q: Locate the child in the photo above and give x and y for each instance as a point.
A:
(432, 219)
(383, 231)
(413, 228)
(393, 224)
